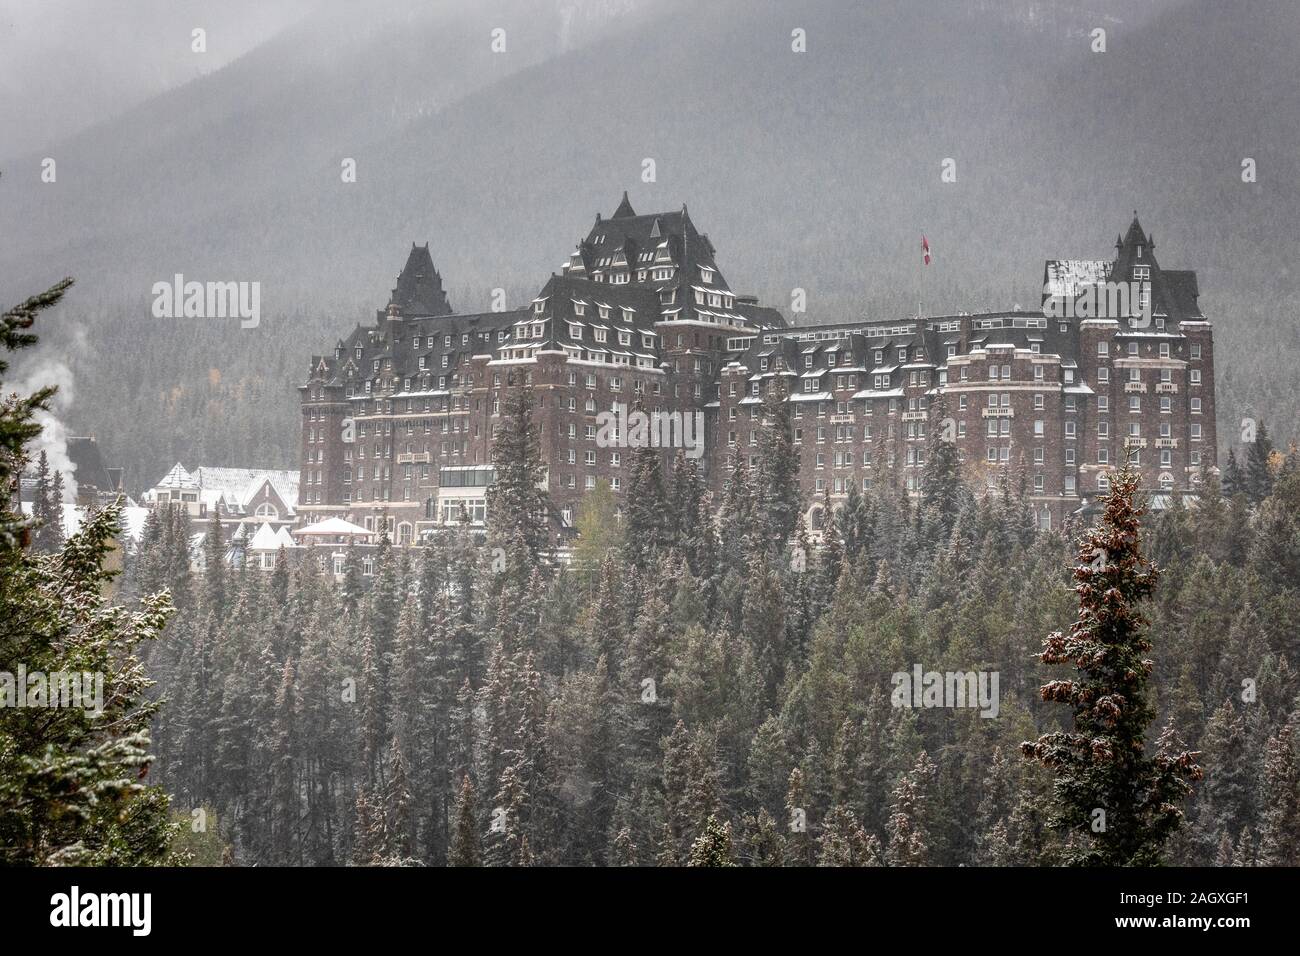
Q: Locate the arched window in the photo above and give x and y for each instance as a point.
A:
(266, 511)
(815, 518)
(404, 533)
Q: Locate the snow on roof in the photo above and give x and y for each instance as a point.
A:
(265, 540)
(238, 485)
(1067, 277)
(178, 477)
(332, 526)
(133, 518)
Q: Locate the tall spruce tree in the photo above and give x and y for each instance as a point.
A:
(72, 788)
(1119, 804)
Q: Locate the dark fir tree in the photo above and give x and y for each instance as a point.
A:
(1118, 803)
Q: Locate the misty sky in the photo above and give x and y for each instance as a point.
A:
(65, 64)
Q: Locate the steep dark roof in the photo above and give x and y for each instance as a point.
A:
(89, 463)
(419, 286)
(624, 210)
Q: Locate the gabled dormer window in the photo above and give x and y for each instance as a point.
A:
(706, 276)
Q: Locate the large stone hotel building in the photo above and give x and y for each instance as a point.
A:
(398, 420)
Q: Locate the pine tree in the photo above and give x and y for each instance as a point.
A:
(1234, 479)
(941, 485)
(713, 846)
(1259, 466)
(647, 515)
(517, 504)
(1279, 832)
(1120, 804)
(843, 842)
(910, 837)
(71, 785)
(776, 496)
(214, 569)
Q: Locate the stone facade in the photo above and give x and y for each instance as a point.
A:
(398, 422)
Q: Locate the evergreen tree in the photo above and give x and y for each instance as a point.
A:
(517, 504)
(1279, 833)
(72, 788)
(1119, 804)
(1234, 479)
(941, 485)
(910, 837)
(1259, 466)
(713, 846)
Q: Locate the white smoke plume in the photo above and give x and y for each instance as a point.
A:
(53, 439)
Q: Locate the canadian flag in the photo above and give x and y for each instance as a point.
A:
(925, 250)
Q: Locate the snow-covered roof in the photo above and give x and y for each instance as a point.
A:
(332, 526)
(238, 485)
(265, 540)
(1068, 277)
(133, 518)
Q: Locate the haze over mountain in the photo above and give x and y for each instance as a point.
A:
(816, 170)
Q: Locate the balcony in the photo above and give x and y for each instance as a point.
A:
(1167, 388)
(413, 458)
(1166, 442)
(917, 416)
(847, 419)
(1140, 387)
(1135, 442)
(998, 413)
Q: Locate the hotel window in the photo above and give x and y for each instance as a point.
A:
(1103, 349)
(1039, 455)
(1038, 373)
(1196, 350)
(1103, 429)
(1132, 348)
(1069, 456)
(1069, 429)
(1196, 406)
(1135, 375)
(1103, 456)
(1103, 376)
(1134, 404)
(1038, 402)
(1038, 484)
(1103, 403)
(1166, 404)
(1194, 376)
(1070, 484)
(961, 403)
(1196, 431)
(1164, 350)
(1195, 458)
(1038, 427)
